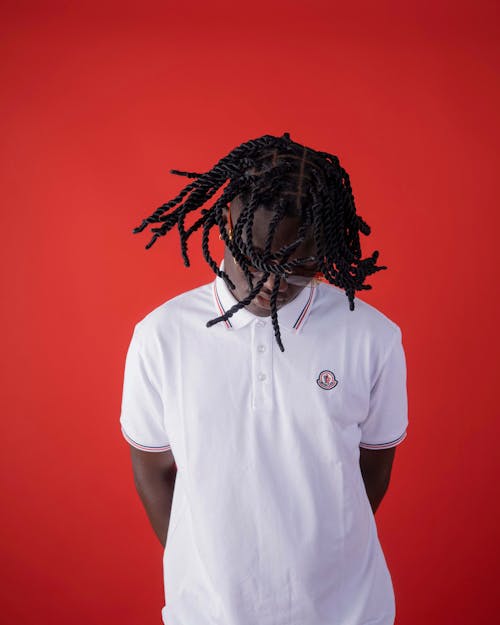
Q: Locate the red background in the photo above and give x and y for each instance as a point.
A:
(99, 102)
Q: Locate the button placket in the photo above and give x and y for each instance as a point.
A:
(261, 365)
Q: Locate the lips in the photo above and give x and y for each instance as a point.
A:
(264, 301)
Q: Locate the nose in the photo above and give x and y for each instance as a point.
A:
(269, 284)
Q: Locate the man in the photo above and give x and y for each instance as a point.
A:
(263, 444)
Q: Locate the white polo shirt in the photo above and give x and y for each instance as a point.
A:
(270, 522)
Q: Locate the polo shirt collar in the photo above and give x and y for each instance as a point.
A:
(291, 316)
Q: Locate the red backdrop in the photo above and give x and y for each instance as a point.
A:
(99, 102)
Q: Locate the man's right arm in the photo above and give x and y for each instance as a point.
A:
(154, 478)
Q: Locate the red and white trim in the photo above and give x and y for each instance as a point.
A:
(304, 311)
(392, 443)
(143, 447)
(220, 307)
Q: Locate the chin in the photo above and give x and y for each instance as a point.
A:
(259, 312)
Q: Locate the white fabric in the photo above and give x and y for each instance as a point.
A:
(270, 522)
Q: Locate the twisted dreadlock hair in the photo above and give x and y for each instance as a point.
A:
(289, 179)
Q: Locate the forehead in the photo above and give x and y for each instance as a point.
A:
(286, 232)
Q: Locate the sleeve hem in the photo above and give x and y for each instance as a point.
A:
(137, 445)
(392, 443)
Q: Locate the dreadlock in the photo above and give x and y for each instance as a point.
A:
(289, 179)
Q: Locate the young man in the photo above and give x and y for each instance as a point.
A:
(263, 444)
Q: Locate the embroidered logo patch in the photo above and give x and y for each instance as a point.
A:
(327, 380)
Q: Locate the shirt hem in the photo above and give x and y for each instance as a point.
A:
(392, 443)
(144, 447)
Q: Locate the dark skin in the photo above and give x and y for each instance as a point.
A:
(155, 472)
(285, 234)
(376, 467)
(154, 477)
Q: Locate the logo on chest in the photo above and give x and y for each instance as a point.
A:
(327, 380)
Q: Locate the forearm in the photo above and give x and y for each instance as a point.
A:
(376, 488)
(156, 493)
(376, 467)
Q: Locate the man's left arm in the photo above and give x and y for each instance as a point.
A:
(376, 467)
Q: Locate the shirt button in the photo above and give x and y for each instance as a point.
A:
(261, 324)
(261, 348)
(262, 377)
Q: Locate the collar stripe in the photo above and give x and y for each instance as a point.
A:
(303, 314)
(220, 295)
(220, 307)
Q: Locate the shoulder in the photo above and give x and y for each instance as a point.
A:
(333, 303)
(191, 307)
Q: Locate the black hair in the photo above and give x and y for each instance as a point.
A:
(289, 179)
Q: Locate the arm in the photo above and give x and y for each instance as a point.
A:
(376, 466)
(154, 477)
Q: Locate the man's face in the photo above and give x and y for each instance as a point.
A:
(285, 234)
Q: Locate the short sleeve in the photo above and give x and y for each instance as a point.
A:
(387, 420)
(141, 417)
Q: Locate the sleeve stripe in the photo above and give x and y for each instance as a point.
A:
(392, 443)
(144, 447)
